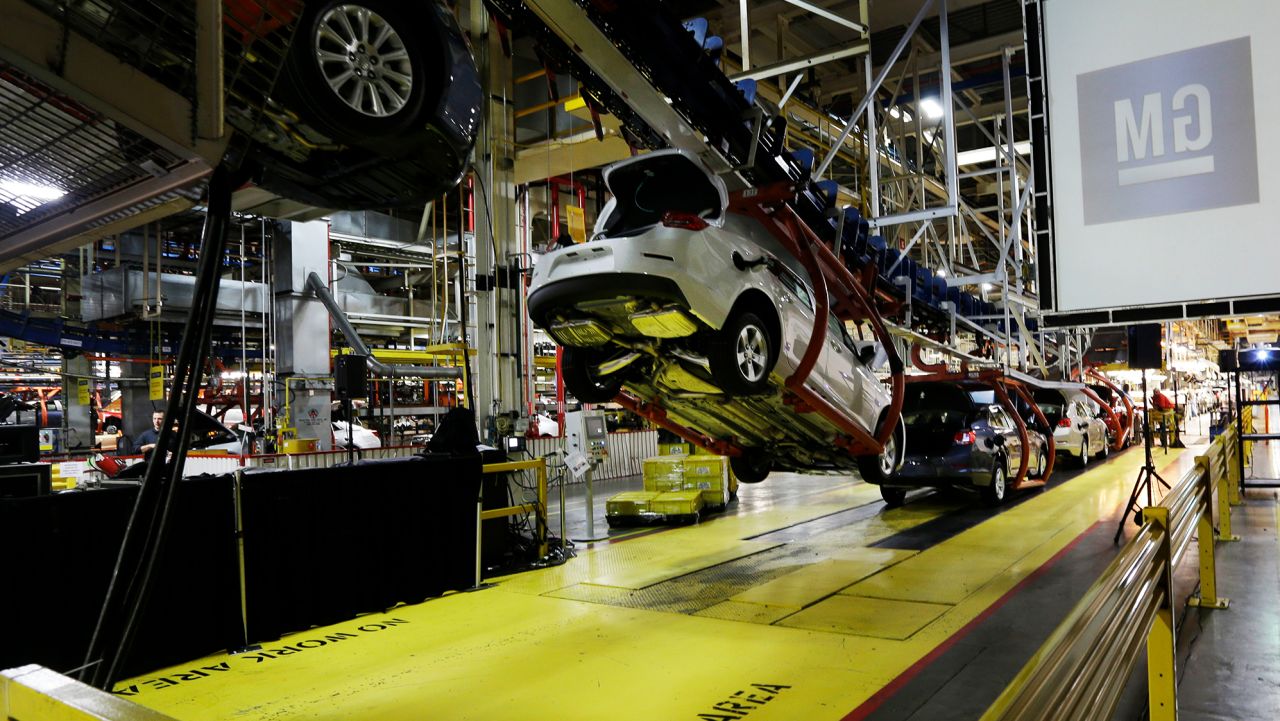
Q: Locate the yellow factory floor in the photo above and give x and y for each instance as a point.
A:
(787, 609)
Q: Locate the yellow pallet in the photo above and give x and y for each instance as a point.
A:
(629, 503)
(675, 449)
(680, 504)
(710, 476)
(664, 473)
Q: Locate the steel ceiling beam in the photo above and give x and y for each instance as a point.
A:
(795, 64)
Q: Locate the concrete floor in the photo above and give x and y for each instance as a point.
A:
(806, 600)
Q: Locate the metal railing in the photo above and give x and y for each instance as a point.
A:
(1081, 670)
(537, 508)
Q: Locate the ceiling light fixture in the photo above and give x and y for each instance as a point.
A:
(987, 155)
(931, 108)
(19, 189)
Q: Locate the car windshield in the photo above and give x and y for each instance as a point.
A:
(645, 190)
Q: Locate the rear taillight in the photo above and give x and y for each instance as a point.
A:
(684, 221)
(966, 438)
(1064, 423)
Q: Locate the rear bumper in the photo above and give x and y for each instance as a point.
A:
(938, 471)
(548, 298)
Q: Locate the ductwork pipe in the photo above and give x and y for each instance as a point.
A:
(318, 286)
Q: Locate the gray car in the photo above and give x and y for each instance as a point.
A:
(961, 436)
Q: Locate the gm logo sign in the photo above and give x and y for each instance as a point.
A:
(1169, 134)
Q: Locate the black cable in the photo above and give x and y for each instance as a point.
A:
(131, 580)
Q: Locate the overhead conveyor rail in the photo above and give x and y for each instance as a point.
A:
(1124, 423)
(1081, 671)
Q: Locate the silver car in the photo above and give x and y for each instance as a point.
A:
(1078, 429)
(704, 313)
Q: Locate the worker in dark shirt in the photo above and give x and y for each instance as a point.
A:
(146, 440)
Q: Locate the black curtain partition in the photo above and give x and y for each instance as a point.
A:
(320, 546)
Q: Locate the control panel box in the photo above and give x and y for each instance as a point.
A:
(585, 433)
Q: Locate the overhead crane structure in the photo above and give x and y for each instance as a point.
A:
(660, 69)
(654, 64)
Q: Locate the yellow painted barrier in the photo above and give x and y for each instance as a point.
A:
(1080, 671)
(35, 692)
(538, 508)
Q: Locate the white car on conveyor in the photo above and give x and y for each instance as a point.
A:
(1078, 428)
(706, 313)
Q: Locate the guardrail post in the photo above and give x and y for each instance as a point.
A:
(1223, 483)
(1208, 597)
(1234, 452)
(1162, 677)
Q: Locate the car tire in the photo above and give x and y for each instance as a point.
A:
(582, 382)
(752, 466)
(742, 355)
(997, 491)
(882, 467)
(893, 497)
(340, 104)
(1105, 452)
(1084, 453)
(1042, 463)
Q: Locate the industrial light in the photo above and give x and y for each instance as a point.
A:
(942, 272)
(931, 108)
(20, 189)
(987, 286)
(987, 155)
(31, 190)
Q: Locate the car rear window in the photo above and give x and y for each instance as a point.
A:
(646, 190)
(934, 396)
(983, 397)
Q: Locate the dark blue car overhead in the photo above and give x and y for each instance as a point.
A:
(961, 436)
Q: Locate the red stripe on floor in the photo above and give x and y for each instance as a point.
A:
(896, 684)
(884, 694)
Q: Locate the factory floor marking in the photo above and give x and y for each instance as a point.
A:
(514, 651)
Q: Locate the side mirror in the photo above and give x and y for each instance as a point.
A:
(991, 442)
(1082, 426)
(867, 354)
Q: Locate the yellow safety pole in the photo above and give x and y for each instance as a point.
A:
(1233, 450)
(1219, 475)
(1208, 597)
(1162, 662)
(541, 473)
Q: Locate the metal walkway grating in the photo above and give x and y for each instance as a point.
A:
(112, 112)
(56, 153)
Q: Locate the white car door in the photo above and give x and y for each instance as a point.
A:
(848, 377)
(795, 304)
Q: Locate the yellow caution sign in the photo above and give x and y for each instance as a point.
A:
(577, 219)
(157, 383)
(82, 391)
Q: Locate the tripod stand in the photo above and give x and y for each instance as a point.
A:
(1145, 474)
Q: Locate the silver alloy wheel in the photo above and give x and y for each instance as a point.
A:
(364, 60)
(997, 483)
(889, 456)
(752, 353)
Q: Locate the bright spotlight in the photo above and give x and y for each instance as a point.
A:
(931, 108)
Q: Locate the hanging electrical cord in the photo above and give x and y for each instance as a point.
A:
(131, 579)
